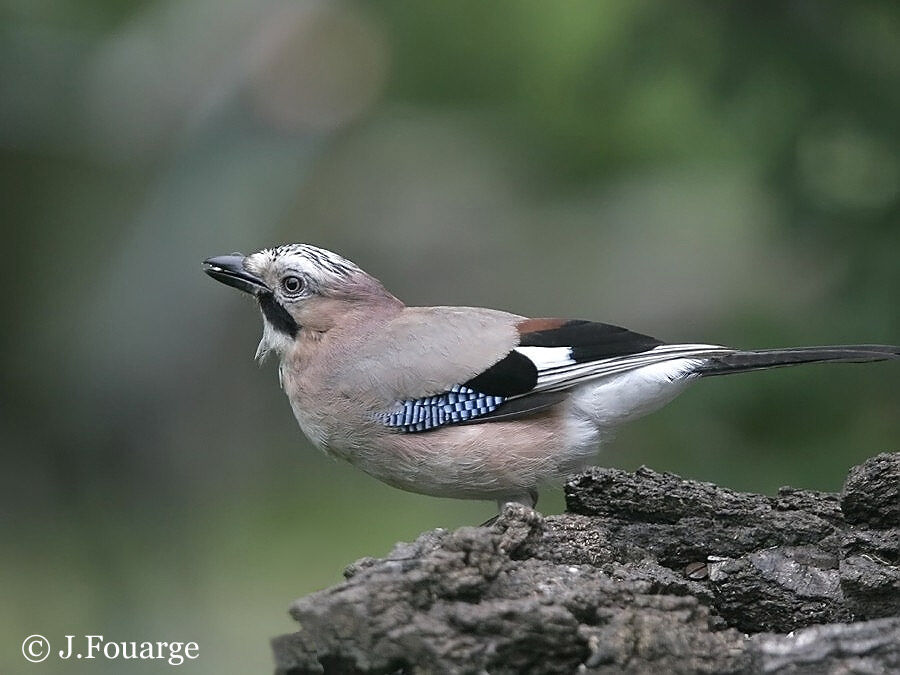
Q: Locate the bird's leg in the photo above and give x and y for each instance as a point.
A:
(528, 499)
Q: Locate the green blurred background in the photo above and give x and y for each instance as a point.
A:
(700, 171)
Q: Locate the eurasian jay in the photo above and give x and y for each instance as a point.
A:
(462, 401)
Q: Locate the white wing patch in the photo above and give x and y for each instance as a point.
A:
(545, 358)
(557, 370)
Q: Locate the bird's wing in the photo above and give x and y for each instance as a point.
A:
(548, 357)
(572, 352)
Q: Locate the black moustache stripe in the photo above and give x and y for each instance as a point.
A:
(277, 315)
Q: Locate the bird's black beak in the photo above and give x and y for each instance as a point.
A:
(229, 269)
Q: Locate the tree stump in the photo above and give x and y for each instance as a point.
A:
(645, 572)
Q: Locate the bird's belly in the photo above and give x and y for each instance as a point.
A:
(478, 461)
(313, 426)
(497, 459)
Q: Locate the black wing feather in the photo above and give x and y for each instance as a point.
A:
(512, 375)
(590, 340)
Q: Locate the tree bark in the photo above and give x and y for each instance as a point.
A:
(645, 572)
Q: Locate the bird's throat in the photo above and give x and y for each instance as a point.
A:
(277, 316)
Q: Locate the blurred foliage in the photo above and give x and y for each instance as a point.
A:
(702, 171)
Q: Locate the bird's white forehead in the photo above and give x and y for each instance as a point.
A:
(308, 257)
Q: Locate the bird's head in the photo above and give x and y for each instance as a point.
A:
(299, 286)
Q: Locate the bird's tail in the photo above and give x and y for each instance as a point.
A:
(740, 361)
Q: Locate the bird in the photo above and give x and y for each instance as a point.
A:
(464, 402)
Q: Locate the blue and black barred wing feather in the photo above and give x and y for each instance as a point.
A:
(529, 379)
(457, 406)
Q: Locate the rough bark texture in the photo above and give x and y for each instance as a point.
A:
(646, 572)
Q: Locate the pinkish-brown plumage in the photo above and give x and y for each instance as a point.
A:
(463, 401)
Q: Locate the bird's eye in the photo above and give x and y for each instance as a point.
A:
(292, 284)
